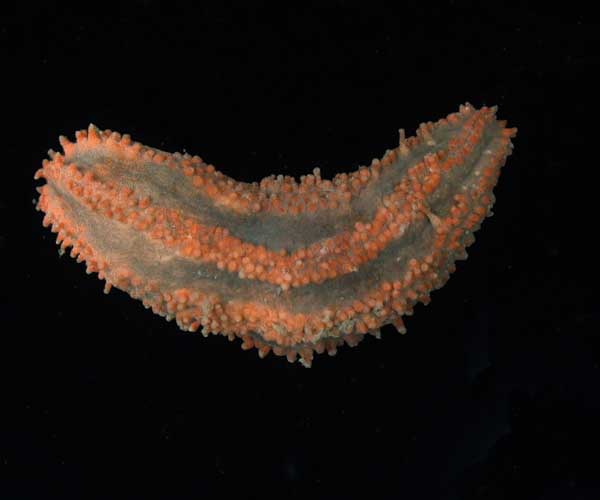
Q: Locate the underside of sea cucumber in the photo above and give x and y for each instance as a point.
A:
(293, 267)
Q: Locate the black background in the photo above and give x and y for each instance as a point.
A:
(493, 393)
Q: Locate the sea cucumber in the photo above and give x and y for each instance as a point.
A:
(290, 267)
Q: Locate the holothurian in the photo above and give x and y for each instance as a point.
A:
(293, 267)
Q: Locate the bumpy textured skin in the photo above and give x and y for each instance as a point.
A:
(289, 267)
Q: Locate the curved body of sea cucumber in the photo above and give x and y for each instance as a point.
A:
(292, 267)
